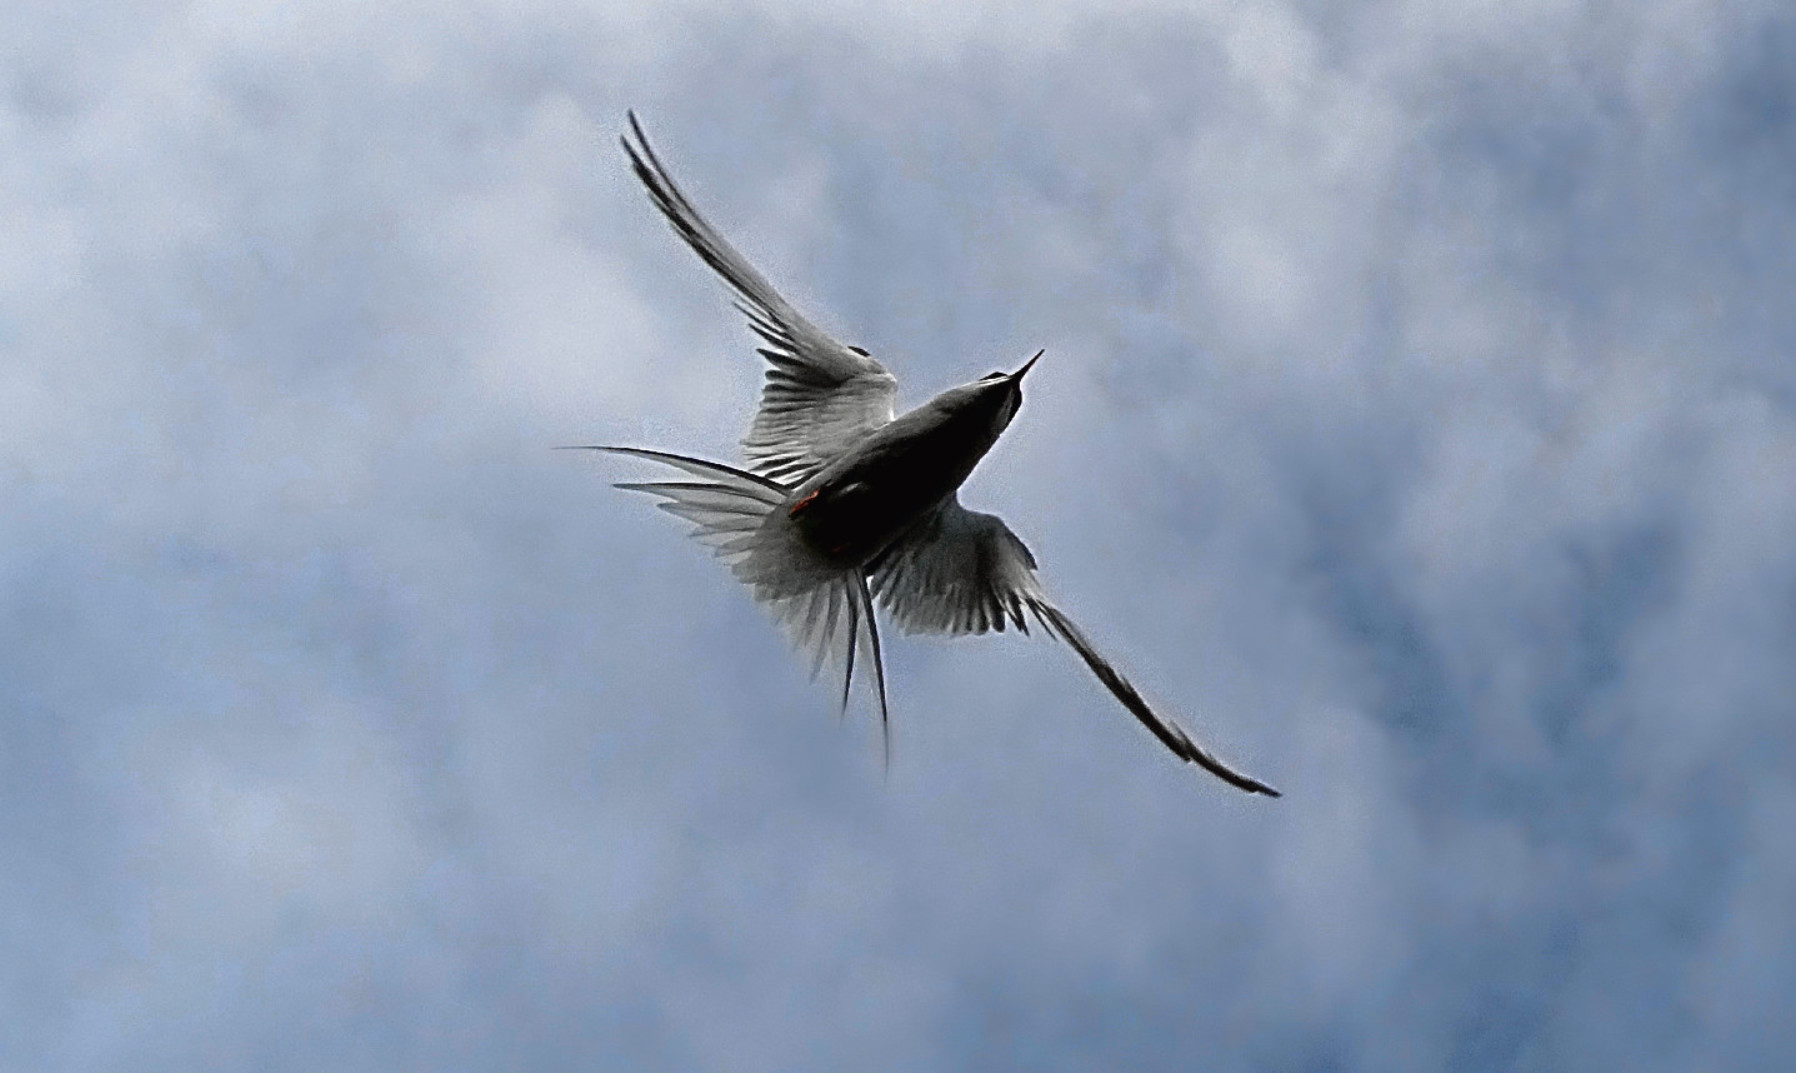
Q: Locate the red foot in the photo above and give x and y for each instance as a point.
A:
(802, 504)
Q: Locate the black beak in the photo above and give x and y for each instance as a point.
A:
(1017, 377)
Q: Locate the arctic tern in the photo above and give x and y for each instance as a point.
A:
(844, 505)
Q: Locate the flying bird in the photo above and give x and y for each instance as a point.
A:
(845, 504)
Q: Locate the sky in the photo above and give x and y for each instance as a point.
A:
(1418, 424)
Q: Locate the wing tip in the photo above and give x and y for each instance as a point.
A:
(636, 129)
(1245, 783)
(1254, 786)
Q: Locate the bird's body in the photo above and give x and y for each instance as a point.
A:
(855, 507)
(845, 504)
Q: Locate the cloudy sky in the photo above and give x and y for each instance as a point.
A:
(1418, 422)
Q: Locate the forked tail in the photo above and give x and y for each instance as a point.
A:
(826, 611)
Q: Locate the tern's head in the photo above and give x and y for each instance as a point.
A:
(1001, 393)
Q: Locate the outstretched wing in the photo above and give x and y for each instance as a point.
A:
(960, 571)
(820, 396)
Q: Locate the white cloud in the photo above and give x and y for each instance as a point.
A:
(1408, 426)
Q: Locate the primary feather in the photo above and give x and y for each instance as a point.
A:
(820, 396)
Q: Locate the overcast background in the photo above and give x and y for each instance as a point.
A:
(1418, 422)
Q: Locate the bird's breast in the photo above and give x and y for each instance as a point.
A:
(849, 522)
(855, 508)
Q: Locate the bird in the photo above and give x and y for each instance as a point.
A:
(845, 505)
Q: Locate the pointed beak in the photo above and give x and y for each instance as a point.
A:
(1017, 377)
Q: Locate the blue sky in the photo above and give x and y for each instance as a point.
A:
(1418, 423)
